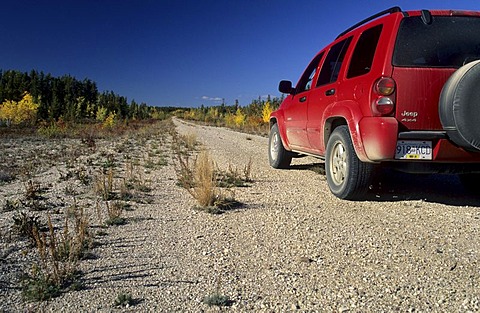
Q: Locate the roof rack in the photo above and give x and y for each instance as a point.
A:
(387, 11)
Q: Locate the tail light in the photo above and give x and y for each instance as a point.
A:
(383, 96)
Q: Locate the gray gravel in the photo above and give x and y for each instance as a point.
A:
(292, 246)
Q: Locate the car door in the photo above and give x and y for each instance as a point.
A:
(296, 108)
(324, 93)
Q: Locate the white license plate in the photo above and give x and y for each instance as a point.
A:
(413, 150)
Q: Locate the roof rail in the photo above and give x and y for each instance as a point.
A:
(387, 11)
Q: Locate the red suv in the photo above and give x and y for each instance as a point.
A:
(401, 88)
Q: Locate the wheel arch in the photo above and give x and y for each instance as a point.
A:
(349, 114)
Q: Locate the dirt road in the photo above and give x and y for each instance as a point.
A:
(292, 246)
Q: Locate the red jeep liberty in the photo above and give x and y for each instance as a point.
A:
(401, 89)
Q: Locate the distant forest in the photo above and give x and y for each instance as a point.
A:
(28, 98)
(68, 98)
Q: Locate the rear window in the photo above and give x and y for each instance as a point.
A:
(449, 41)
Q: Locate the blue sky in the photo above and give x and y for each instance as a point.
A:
(181, 52)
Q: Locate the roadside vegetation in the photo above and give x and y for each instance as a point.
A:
(101, 152)
(252, 118)
(197, 172)
(100, 175)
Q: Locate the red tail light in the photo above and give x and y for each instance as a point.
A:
(383, 96)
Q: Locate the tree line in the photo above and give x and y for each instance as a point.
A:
(67, 97)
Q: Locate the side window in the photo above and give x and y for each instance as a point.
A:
(306, 80)
(333, 62)
(362, 57)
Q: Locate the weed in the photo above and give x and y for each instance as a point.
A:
(114, 212)
(189, 141)
(233, 178)
(247, 171)
(54, 130)
(32, 190)
(57, 260)
(124, 299)
(204, 189)
(25, 224)
(217, 300)
(38, 286)
(184, 171)
(10, 205)
(82, 175)
(74, 245)
(109, 162)
(104, 185)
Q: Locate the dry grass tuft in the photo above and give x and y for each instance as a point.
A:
(205, 189)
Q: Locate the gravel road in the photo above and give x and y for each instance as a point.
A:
(291, 247)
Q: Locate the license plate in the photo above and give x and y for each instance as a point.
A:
(413, 150)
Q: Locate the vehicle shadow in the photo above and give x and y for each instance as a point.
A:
(390, 185)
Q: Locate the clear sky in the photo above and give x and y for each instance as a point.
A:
(181, 52)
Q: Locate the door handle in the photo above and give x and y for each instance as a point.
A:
(330, 92)
(303, 99)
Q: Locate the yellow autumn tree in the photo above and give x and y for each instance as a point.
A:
(266, 111)
(21, 112)
(110, 120)
(239, 118)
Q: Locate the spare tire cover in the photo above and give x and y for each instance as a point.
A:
(459, 106)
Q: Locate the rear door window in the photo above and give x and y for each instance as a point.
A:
(448, 41)
(362, 57)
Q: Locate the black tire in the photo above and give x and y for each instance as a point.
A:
(347, 177)
(278, 156)
(459, 106)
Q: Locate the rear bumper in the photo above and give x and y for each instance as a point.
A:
(379, 136)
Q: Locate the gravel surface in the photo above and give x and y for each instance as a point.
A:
(291, 246)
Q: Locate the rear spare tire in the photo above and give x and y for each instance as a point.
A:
(459, 106)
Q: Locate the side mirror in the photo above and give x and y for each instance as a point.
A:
(285, 86)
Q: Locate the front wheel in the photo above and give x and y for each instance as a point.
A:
(347, 177)
(278, 156)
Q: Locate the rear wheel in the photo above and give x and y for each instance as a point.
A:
(278, 156)
(347, 177)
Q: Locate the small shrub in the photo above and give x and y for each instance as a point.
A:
(56, 269)
(184, 170)
(217, 300)
(32, 190)
(52, 130)
(25, 224)
(39, 286)
(104, 185)
(10, 205)
(114, 212)
(204, 190)
(124, 300)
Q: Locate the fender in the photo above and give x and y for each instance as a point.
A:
(348, 111)
(374, 138)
